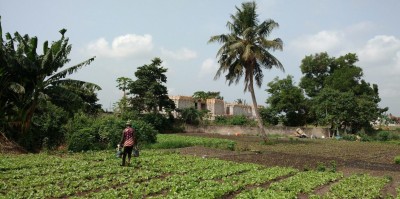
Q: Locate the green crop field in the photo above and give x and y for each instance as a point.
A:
(161, 173)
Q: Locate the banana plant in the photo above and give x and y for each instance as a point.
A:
(37, 76)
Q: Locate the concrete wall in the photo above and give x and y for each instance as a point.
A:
(239, 109)
(216, 106)
(245, 130)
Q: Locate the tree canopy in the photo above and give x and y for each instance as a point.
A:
(339, 95)
(148, 91)
(287, 101)
(202, 95)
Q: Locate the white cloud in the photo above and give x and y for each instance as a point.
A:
(208, 67)
(320, 42)
(182, 54)
(382, 50)
(380, 60)
(122, 46)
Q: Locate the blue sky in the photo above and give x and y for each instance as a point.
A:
(126, 34)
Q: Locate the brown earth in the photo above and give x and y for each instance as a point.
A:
(9, 146)
(374, 158)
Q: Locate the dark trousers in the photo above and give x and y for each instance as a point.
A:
(127, 151)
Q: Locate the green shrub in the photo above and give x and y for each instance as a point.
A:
(83, 140)
(222, 120)
(234, 120)
(160, 122)
(109, 129)
(397, 159)
(384, 136)
(349, 137)
(88, 133)
(321, 167)
(364, 137)
(239, 120)
(145, 132)
(47, 124)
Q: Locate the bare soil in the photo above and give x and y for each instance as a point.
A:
(374, 158)
(9, 147)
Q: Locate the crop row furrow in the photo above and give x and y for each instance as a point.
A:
(356, 186)
(303, 182)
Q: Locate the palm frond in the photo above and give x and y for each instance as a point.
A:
(276, 44)
(266, 27)
(63, 96)
(218, 38)
(70, 70)
(267, 60)
(17, 88)
(1, 33)
(76, 84)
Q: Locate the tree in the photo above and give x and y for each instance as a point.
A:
(241, 101)
(203, 96)
(287, 101)
(245, 51)
(36, 77)
(191, 115)
(315, 69)
(123, 83)
(149, 93)
(339, 95)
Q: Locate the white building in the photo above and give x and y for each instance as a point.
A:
(216, 107)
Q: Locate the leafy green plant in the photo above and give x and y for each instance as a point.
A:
(333, 166)
(365, 137)
(357, 186)
(384, 136)
(397, 159)
(349, 137)
(321, 167)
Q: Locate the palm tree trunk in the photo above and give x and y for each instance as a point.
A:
(258, 118)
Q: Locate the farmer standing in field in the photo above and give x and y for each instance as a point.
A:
(128, 141)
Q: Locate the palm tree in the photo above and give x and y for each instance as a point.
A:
(245, 51)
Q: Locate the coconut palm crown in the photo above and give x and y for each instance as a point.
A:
(245, 51)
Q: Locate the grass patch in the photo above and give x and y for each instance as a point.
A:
(173, 141)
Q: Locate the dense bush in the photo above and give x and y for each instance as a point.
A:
(234, 120)
(47, 125)
(161, 123)
(269, 116)
(145, 132)
(109, 129)
(383, 136)
(349, 137)
(83, 140)
(89, 133)
(191, 115)
(365, 137)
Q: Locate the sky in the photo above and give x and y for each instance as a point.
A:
(127, 34)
